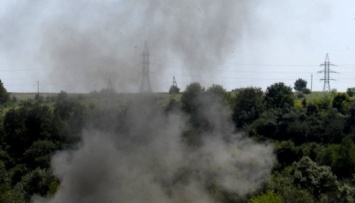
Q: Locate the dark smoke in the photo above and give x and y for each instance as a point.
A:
(148, 161)
(85, 44)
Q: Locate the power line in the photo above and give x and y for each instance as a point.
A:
(15, 70)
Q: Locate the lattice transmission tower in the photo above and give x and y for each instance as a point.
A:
(109, 85)
(327, 71)
(174, 82)
(145, 85)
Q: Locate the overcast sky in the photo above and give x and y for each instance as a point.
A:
(80, 46)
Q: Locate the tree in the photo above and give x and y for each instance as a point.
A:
(4, 95)
(341, 158)
(193, 100)
(14, 132)
(39, 154)
(351, 91)
(286, 153)
(332, 123)
(314, 178)
(248, 105)
(217, 92)
(38, 181)
(279, 95)
(341, 102)
(268, 197)
(190, 98)
(174, 89)
(300, 84)
(293, 194)
(26, 125)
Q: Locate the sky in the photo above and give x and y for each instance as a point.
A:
(78, 46)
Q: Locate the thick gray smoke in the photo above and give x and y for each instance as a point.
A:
(88, 43)
(150, 162)
(85, 44)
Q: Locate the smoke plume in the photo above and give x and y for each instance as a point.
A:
(84, 44)
(144, 159)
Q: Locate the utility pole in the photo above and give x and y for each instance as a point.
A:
(311, 82)
(326, 71)
(37, 95)
(145, 85)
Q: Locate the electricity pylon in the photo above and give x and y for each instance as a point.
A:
(327, 71)
(145, 85)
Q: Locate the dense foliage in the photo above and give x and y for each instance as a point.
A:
(313, 139)
(300, 84)
(4, 95)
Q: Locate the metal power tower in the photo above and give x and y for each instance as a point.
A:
(145, 85)
(327, 73)
(174, 82)
(110, 86)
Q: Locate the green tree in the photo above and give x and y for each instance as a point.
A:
(306, 91)
(268, 197)
(14, 132)
(314, 178)
(26, 125)
(38, 181)
(341, 102)
(217, 90)
(350, 121)
(4, 95)
(312, 109)
(332, 126)
(286, 153)
(191, 97)
(341, 158)
(70, 115)
(300, 84)
(174, 89)
(293, 194)
(279, 95)
(248, 105)
(218, 94)
(39, 154)
(350, 91)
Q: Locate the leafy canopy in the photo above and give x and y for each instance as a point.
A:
(300, 84)
(279, 95)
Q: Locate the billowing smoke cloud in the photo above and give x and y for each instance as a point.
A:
(84, 43)
(148, 160)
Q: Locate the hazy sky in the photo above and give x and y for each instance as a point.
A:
(250, 43)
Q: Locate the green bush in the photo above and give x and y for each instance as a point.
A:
(269, 197)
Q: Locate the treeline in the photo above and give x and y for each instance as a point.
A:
(313, 140)
(31, 133)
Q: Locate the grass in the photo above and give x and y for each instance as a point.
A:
(20, 96)
(316, 95)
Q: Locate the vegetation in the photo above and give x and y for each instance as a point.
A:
(174, 89)
(350, 91)
(313, 138)
(300, 85)
(4, 95)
